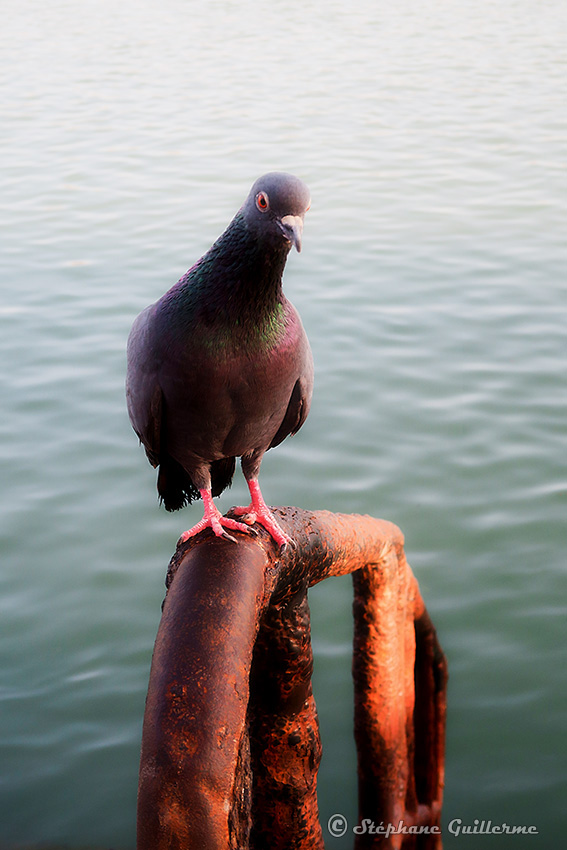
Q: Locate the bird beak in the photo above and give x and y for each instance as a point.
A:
(292, 228)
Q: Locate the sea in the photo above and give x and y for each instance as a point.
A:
(433, 287)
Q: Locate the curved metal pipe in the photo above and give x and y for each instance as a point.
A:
(231, 747)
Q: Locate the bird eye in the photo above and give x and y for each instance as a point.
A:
(262, 201)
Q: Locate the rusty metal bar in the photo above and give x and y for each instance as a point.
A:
(284, 730)
(231, 746)
(400, 682)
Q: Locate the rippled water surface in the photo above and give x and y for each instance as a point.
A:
(432, 285)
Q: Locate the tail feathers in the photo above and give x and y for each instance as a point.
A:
(221, 474)
(176, 489)
(174, 486)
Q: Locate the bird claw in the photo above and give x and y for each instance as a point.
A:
(247, 515)
(264, 517)
(228, 536)
(289, 542)
(218, 524)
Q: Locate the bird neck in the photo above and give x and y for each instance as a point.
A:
(235, 289)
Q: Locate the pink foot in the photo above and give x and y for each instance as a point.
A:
(258, 511)
(215, 520)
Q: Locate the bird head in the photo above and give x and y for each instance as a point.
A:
(275, 208)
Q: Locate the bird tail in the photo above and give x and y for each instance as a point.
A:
(221, 474)
(176, 489)
(174, 486)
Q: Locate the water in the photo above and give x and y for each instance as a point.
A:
(432, 286)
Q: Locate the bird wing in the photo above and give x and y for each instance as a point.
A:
(143, 391)
(296, 413)
(300, 398)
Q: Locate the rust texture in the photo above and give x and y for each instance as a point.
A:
(231, 745)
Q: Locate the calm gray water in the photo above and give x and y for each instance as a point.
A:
(433, 136)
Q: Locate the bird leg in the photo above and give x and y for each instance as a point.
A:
(215, 520)
(258, 511)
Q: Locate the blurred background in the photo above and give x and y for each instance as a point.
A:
(433, 136)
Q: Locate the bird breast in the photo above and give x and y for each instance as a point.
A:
(233, 403)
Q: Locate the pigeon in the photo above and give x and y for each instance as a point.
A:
(220, 366)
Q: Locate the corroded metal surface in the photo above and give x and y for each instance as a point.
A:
(284, 730)
(231, 745)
